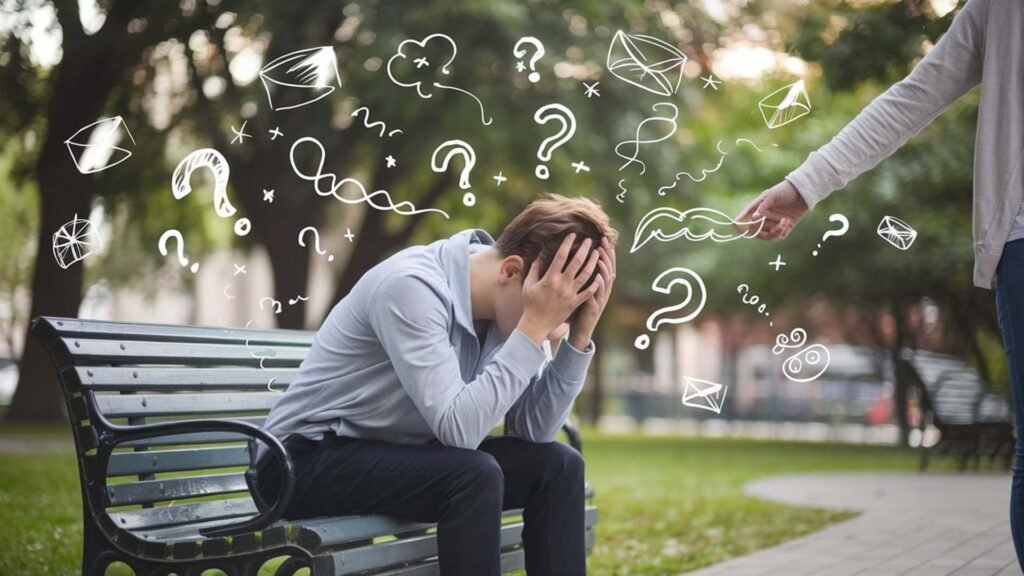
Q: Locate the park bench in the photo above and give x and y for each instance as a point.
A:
(165, 420)
(972, 420)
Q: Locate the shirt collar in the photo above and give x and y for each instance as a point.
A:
(460, 246)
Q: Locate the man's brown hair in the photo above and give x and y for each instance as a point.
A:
(538, 231)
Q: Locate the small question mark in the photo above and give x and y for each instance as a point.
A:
(162, 245)
(663, 284)
(844, 225)
(519, 50)
(208, 158)
(316, 242)
(544, 115)
(453, 148)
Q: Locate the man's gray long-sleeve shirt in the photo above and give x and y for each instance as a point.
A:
(984, 45)
(398, 359)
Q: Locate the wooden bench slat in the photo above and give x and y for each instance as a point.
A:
(192, 438)
(513, 559)
(143, 378)
(165, 489)
(121, 405)
(156, 461)
(186, 533)
(180, 514)
(355, 560)
(74, 327)
(93, 351)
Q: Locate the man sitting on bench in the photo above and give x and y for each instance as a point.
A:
(390, 411)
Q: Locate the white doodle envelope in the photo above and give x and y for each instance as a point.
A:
(95, 147)
(312, 70)
(785, 105)
(897, 232)
(646, 62)
(704, 394)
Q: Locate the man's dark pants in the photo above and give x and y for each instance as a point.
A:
(464, 491)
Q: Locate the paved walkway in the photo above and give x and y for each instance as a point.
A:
(911, 525)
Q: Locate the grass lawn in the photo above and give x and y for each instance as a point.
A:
(667, 505)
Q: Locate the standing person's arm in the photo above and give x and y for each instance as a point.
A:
(411, 321)
(950, 69)
(544, 406)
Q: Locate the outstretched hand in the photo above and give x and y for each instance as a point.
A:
(782, 206)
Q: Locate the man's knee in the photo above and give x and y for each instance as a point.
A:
(559, 461)
(480, 470)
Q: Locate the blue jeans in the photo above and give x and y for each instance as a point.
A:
(1010, 304)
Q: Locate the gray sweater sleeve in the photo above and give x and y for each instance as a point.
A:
(539, 413)
(951, 68)
(411, 321)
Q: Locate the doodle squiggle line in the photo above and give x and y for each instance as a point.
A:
(705, 171)
(405, 208)
(636, 141)
(371, 125)
(486, 122)
(621, 196)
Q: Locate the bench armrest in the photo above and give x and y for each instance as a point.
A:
(574, 437)
(121, 433)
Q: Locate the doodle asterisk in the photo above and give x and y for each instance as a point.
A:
(240, 134)
(710, 81)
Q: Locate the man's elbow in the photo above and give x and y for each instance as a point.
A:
(449, 433)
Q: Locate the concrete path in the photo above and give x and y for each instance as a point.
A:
(911, 525)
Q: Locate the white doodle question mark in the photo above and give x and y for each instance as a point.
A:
(316, 242)
(520, 50)
(844, 225)
(162, 245)
(453, 148)
(663, 284)
(215, 161)
(544, 115)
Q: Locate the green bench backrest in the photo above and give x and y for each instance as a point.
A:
(145, 373)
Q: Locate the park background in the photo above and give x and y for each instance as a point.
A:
(184, 74)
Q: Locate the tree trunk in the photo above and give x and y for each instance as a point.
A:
(64, 193)
(89, 70)
(55, 292)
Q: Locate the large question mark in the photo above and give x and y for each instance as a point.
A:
(544, 115)
(663, 284)
(316, 242)
(452, 148)
(519, 50)
(162, 245)
(208, 158)
(844, 225)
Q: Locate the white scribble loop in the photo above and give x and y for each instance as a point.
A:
(637, 141)
(327, 184)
